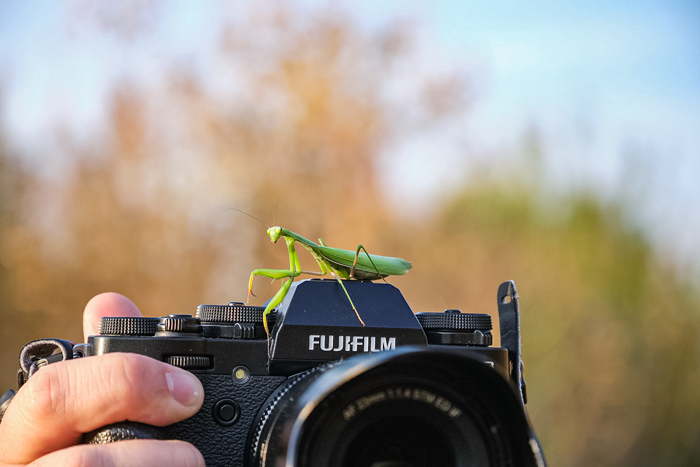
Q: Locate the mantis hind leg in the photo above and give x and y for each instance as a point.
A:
(354, 263)
(348, 295)
(334, 274)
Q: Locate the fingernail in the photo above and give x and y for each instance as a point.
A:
(184, 387)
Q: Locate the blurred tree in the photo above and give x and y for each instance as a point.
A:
(610, 334)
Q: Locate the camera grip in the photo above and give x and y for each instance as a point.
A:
(121, 432)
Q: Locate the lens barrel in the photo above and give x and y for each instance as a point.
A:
(410, 407)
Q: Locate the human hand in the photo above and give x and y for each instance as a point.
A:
(47, 417)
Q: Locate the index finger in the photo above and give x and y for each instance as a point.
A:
(66, 399)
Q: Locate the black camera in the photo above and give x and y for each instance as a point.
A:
(406, 389)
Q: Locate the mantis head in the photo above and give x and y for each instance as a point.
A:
(274, 233)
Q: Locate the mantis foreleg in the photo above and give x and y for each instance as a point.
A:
(293, 271)
(276, 300)
(273, 274)
(279, 296)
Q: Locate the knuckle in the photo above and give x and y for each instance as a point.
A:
(129, 375)
(45, 391)
(120, 380)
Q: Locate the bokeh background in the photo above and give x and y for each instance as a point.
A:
(553, 143)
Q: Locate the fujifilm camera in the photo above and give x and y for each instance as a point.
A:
(405, 390)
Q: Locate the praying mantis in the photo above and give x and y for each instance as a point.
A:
(342, 264)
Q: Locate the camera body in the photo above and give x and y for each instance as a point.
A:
(405, 389)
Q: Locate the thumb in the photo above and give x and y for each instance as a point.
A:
(106, 304)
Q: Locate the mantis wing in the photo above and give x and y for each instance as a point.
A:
(385, 265)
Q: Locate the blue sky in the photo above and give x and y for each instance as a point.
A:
(596, 78)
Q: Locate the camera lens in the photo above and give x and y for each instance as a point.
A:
(405, 408)
(401, 424)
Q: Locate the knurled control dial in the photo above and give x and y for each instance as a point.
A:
(175, 324)
(234, 321)
(190, 362)
(128, 326)
(455, 320)
(234, 312)
(456, 328)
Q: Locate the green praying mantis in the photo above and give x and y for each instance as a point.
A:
(342, 264)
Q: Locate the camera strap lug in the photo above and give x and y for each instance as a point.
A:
(39, 353)
(509, 319)
(34, 356)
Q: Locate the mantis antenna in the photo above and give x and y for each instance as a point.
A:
(253, 217)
